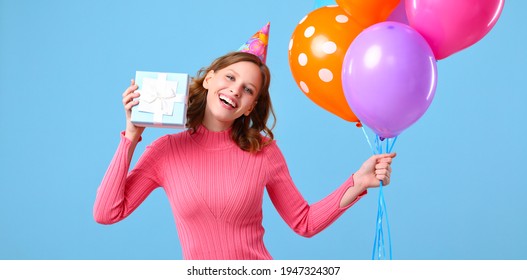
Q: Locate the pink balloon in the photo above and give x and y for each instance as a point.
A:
(450, 26)
(389, 77)
(399, 13)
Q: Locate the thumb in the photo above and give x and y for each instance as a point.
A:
(390, 155)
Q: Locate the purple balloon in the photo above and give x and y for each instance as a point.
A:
(389, 77)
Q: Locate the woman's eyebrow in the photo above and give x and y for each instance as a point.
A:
(238, 75)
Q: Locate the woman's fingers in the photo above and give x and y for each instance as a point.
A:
(128, 100)
(131, 88)
(383, 170)
(129, 95)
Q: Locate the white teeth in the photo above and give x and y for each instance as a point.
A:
(228, 100)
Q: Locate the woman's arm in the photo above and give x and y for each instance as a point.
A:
(374, 170)
(308, 220)
(119, 193)
(132, 132)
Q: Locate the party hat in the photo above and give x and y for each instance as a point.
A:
(257, 44)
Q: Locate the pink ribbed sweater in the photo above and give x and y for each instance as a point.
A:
(215, 190)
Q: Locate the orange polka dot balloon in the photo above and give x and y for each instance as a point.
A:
(368, 12)
(316, 54)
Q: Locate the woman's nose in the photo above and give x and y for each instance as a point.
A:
(235, 90)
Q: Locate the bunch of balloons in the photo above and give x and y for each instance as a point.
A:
(374, 61)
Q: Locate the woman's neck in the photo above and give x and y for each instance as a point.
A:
(213, 140)
(216, 125)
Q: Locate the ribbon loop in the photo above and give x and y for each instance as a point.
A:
(158, 97)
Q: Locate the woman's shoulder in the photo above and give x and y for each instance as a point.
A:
(271, 146)
(166, 139)
(273, 157)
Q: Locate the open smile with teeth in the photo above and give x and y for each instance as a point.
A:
(228, 101)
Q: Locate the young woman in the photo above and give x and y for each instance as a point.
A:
(214, 173)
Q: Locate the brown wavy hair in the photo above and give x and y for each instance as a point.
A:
(246, 130)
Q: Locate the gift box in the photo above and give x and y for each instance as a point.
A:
(162, 100)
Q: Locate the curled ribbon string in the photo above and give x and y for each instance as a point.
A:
(379, 251)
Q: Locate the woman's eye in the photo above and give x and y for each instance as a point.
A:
(248, 90)
(230, 77)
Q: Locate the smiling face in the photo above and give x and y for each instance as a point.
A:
(232, 92)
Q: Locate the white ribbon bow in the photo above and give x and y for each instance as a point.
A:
(158, 97)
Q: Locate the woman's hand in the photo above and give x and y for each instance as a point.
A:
(133, 132)
(375, 169)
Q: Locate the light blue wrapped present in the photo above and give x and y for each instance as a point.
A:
(162, 100)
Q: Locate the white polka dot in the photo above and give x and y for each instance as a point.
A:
(309, 31)
(304, 87)
(329, 47)
(290, 44)
(332, 6)
(302, 59)
(325, 75)
(342, 19)
(302, 20)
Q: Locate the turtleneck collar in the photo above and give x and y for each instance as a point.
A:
(213, 140)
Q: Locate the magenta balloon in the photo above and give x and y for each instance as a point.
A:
(450, 26)
(389, 77)
(399, 13)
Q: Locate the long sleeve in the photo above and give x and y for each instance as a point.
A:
(306, 220)
(215, 190)
(121, 193)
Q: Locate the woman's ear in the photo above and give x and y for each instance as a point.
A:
(206, 81)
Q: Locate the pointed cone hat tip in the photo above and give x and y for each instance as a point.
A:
(257, 44)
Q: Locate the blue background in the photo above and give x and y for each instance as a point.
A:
(459, 181)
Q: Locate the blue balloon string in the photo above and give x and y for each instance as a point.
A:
(381, 194)
(379, 251)
(367, 139)
(380, 248)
